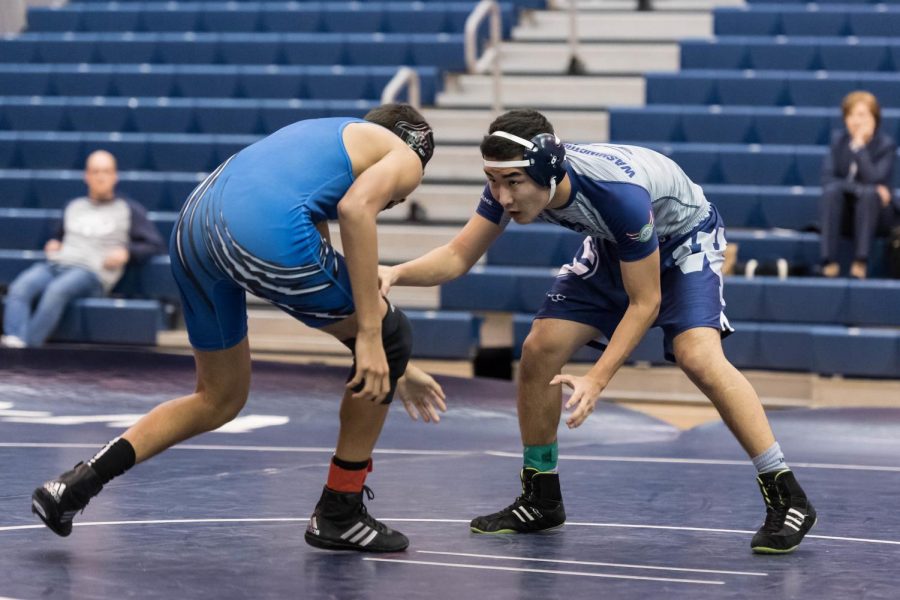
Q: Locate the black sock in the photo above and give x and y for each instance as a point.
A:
(114, 459)
(351, 466)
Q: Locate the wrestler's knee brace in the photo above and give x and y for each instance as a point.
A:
(396, 338)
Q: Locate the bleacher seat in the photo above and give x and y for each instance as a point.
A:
(777, 346)
(444, 334)
(765, 88)
(787, 53)
(813, 19)
(110, 321)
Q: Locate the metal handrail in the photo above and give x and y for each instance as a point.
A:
(491, 56)
(404, 76)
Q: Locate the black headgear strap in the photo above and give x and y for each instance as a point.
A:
(419, 137)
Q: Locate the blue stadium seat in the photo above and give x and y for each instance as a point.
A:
(226, 145)
(275, 114)
(171, 152)
(869, 352)
(26, 229)
(16, 81)
(311, 49)
(791, 127)
(782, 346)
(739, 206)
(298, 19)
(233, 18)
(188, 48)
(250, 48)
(444, 334)
(147, 189)
(699, 161)
(814, 23)
(796, 209)
(553, 244)
(15, 189)
(804, 300)
(809, 165)
(13, 262)
(120, 18)
(272, 81)
(727, 128)
(711, 54)
(54, 189)
(773, 166)
(56, 48)
(169, 18)
(797, 248)
(337, 82)
(646, 124)
(17, 50)
(50, 150)
(228, 116)
(377, 49)
(340, 17)
(125, 50)
(444, 51)
(46, 18)
(99, 114)
(9, 155)
(34, 114)
(155, 280)
(163, 115)
(151, 81)
(798, 55)
(873, 303)
(883, 85)
(855, 57)
(202, 81)
(741, 21)
(874, 23)
(110, 321)
(130, 149)
(824, 89)
(684, 88)
(415, 18)
(179, 186)
(89, 80)
(756, 89)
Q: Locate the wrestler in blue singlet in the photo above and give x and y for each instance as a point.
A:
(251, 227)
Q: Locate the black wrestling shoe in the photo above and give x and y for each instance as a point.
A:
(58, 500)
(539, 508)
(341, 522)
(789, 515)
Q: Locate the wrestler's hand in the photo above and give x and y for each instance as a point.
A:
(387, 276)
(371, 368)
(421, 395)
(585, 393)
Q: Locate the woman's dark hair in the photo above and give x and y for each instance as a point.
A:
(523, 122)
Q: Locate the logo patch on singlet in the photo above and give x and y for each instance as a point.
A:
(645, 233)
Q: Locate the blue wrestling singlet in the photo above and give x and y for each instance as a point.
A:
(251, 227)
(631, 201)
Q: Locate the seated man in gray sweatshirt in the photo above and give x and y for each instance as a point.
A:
(100, 234)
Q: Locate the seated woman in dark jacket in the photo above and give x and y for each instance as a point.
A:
(856, 177)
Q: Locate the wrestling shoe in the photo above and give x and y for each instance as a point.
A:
(539, 508)
(789, 515)
(341, 522)
(57, 501)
